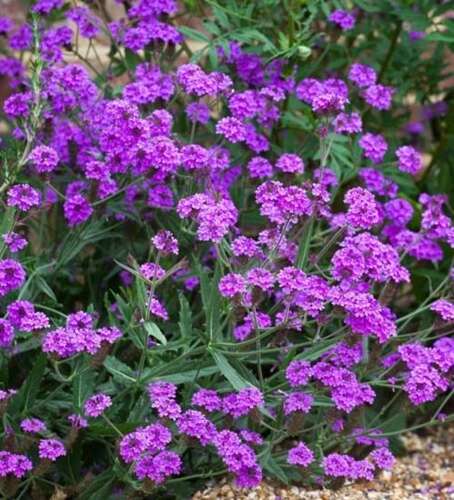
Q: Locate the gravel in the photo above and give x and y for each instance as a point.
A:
(426, 472)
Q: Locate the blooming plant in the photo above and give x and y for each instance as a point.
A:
(212, 268)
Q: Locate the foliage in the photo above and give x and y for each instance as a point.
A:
(240, 266)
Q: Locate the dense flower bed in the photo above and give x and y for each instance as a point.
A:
(193, 285)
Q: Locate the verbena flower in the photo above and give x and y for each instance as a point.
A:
(33, 425)
(342, 18)
(51, 449)
(300, 455)
(23, 197)
(14, 464)
(96, 405)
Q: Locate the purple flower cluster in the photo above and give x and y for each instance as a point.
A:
(239, 459)
(300, 455)
(337, 465)
(409, 160)
(32, 425)
(23, 197)
(342, 18)
(215, 218)
(12, 276)
(51, 449)
(77, 336)
(429, 369)
(97, 404)
(374, 147)
(14, 464)
(144, 441)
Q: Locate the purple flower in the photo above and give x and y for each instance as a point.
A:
(239, 458)
(12, 276)
(44, 7)
(163, 399)
(14, 241)
(251, 437)
(259, 167)
(444, 308)
(399, 211)
(383, 458)
(362, 75)
(300, 455)
(97, 404)
(409, 159)
(244, 246)
(363, 210)
(251, 322)
(44, 159)
(150, 439)
(414, 36)
(208, 399)
(194, 157)
(378, 96)
(23, 197)
(14, 464)
(291, 279)
(6, 333)
(158, 310)
(152, 271)
(77, 209)
(232, 129)
(298, 373)
(345, 123)
(198, 112)
(22, 315)
(298, 402)
(32, 425)
(78, 421)
(194, 424)
(337, 465)
(344, 19)
(261, 278)
(214, 217)
(51, 449)
(374, 147)
(282, 203)
(232, 284)
(290, 163)
(18, 105)
(159, 467)
(242, 403)
(88, 24)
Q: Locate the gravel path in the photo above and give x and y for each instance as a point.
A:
(426, 472)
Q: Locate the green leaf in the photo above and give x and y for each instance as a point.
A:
(83, 385)
(273, 468)
(185, 319)
(304, 243)
(445, 37)
(221, 17)
(42, 285)
(193, 34)
(191, 375)
(153, 330)
(314, 353)
(237, 381)
(119, 370)
(24, 399)
(99, 487)
(211, 300)
(6, 225)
